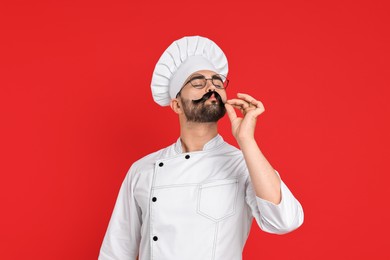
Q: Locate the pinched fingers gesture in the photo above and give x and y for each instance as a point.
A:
(244, 127)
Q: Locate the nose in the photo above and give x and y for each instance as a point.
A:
(209, 86)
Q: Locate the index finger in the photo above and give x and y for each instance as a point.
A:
(249, 99)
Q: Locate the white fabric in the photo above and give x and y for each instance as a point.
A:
(182, 58)
(203, 210)
(189, 66)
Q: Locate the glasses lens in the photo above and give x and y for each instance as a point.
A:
(219, 81)
(198, 81)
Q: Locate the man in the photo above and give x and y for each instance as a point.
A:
(195, 200)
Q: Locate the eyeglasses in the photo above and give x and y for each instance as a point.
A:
(199, 81)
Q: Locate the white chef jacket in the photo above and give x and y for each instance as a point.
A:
(192, 206)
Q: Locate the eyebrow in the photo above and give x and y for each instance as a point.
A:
(197, 76)
(216, 76)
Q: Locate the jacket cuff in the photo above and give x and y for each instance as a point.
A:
(283, 217)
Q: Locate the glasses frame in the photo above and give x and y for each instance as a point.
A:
(212, 81)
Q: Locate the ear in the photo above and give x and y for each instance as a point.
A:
(175, 105)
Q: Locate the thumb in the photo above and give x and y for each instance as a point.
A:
(231, 112)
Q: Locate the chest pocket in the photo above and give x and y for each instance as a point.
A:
(217, 199)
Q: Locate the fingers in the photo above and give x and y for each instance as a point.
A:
(250, 100)
(238, 103)
(230, 112)
(245, 103)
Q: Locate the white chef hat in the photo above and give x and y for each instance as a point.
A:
(182, 58)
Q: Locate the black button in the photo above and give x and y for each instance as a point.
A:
(160, 164)
(155, 238)
(187, 156)
(154, 199)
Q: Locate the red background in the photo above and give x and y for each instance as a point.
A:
(76, 112)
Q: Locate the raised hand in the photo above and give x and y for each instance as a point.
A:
(243, 128)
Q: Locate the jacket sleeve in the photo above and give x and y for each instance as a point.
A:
(277, 219)
(122, 238)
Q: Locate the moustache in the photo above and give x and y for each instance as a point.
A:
(207, 96)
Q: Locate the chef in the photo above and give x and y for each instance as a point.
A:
(196, 199)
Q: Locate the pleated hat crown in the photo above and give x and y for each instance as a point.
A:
(182, 58)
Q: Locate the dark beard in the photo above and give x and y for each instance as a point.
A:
(198, 111)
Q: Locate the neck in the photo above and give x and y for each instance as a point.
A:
(194, 136)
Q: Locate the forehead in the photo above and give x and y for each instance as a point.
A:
(207, 73)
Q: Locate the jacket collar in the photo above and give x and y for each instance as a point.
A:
(214, 142)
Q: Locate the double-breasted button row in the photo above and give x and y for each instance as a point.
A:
(154, 199)
(161, 164)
